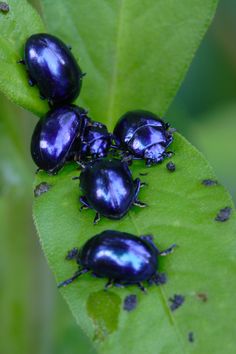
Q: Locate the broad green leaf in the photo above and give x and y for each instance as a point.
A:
(15, 27)
(135, 53)
(181, 210)
(215, 136)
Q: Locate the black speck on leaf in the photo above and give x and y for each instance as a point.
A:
(130, 302)
(41, 188)
(224, 214)
(191, 337)
(4, 7)
(170, 166)
(209, 182)
(176, 302)
(202, 296)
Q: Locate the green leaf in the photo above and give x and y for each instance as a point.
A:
(135, 53)
(15, 27)
(181, 210)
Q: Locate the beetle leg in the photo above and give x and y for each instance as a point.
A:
(128, 159)
(143, 184)
(21, 61)
(97, 218)
(168, 250)
(31, 82)
(149, 162)
(72, 254)
(140, 204)
(84, 201)
(141, 287)
(168, 154)
(42, 97)
(38, 170)
(75, 276)
(109, 284)
(119, 285)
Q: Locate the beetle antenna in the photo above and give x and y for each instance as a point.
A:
(168, 250)
(70, 280)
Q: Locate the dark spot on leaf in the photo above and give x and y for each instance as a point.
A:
(130, 302)
(203, 297)
(103, 308)
(41, 188)
(223, 214)
(143, 173)
(170, 166)
(158, 279)
(191, 337)
(209, 182)
(176, 302)
(4, 7)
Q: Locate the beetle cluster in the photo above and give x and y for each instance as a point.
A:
(67, 133)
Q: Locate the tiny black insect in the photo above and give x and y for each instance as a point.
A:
(143, 135)
(52, 66)
(4, 7)
(130, 302)
(54, 136)
(209, 182)
(170, 166)
(41, 188)
(224, 214)
(121, 257)
(176, 302)
(108, 188)
(191, 337)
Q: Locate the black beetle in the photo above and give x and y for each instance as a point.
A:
(108, 188)
(121, 257)
(96, 142)
(143, 135)
(54, 136)
(53, 68)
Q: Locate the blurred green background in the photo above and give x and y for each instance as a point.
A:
(34, 318)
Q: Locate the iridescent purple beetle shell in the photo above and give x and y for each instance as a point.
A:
(144, 135)
(52, 66)
(54, 135)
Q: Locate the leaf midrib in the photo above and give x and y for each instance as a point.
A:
(164, 299)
